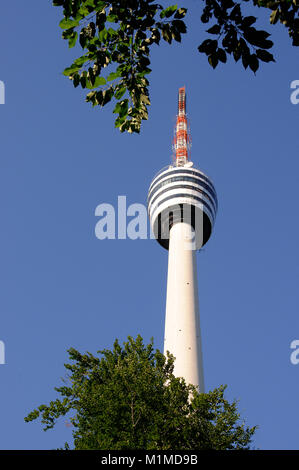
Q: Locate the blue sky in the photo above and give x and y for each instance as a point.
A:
(61, 287)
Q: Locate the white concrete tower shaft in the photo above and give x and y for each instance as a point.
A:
(182, 206)
(182, 322)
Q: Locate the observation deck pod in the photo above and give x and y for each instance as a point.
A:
(182, 194)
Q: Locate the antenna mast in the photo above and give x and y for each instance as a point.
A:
(182, 137)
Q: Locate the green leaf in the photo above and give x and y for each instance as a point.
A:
(83, 79)
(221, 54)
(180, 13)
(295, 39)
(69, 70)
(97, 82)
(237, 53)
(119, 121)
(103, 35)
(208, 46)
(214, 29)
(112, 18)
(80, 61)
(166, 33)
(176, 35)
(213, 60)
(145, 99)
(119, 92)
(76, 80)
(73, 39)
(245, 57)
(179, 25)
(274, 17)
(253, 62)
(99, 97)
(68, 23)
(121, 108)
(107, 96)
(258, 38)
(168, 11)
(90, 96)
(265, 56)
(112, 76)
(248, 21)
(83, 11)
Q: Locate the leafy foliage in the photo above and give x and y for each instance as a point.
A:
(118, 35)
(128, 398)
(236, 34)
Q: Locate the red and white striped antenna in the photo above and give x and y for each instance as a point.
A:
(182, 137)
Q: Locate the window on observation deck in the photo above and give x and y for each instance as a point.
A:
(212, 196)
(176, 171)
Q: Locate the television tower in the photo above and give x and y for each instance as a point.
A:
(182, 206)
